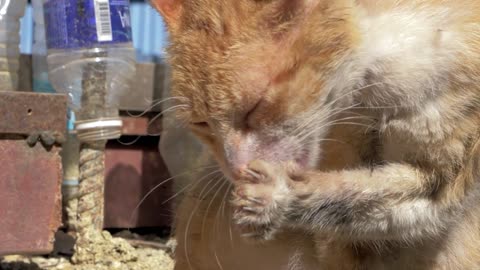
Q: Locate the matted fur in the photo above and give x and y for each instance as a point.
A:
(349, 131)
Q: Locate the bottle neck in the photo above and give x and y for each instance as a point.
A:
(98, 129)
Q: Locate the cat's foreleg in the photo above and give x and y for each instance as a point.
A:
(390, 202)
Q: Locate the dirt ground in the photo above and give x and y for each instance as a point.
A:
(125, 251)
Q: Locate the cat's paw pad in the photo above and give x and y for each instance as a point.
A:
(261, 200)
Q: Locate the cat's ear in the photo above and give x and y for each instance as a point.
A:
(170, 10)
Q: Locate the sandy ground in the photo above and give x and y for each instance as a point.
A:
(130, 252)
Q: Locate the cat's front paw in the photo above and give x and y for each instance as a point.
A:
(261, 200)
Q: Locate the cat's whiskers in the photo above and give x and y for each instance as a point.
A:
(310, 128)
(313, 120)
(313, 115)
(189, 187)
(314, 141)
(215, 224)
(340, 122)
(317, 121)
(320, 125)
(189, 221)
(308, 132)
(218, 180)
(328, 112)
(151, 121)
(325, 113)
(155, 104)
(166, 181)
(354, 91)
(160, 114)
(224, 202)
(301, 140)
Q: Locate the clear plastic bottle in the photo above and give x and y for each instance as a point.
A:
(10, 13)
(91, 57)
(39, 51)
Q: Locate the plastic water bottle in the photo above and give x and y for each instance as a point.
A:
(91, 58)
(10, 13)
(39, 51)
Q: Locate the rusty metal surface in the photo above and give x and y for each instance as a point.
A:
(30, 197)
(30, 177)
(131, 173)
(25, 113)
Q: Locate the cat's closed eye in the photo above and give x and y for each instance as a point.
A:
(249, 120)
(201, 126)
(204, 131)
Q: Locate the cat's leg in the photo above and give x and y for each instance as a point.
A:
(207, 239)
(390, 202)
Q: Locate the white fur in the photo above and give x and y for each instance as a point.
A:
(416, 218)
(408, 51)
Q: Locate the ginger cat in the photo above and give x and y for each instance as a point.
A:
(348, 131)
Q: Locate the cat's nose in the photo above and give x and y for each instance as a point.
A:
(237, 162)
(239, 151)
(238, 172)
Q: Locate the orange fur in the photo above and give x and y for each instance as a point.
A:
(353, 121)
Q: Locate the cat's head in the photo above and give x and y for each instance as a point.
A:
(260, 79)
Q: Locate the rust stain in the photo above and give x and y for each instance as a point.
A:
(24, 113)
(30, 198)
(30, 177)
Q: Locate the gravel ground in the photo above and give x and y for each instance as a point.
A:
(130, 252)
